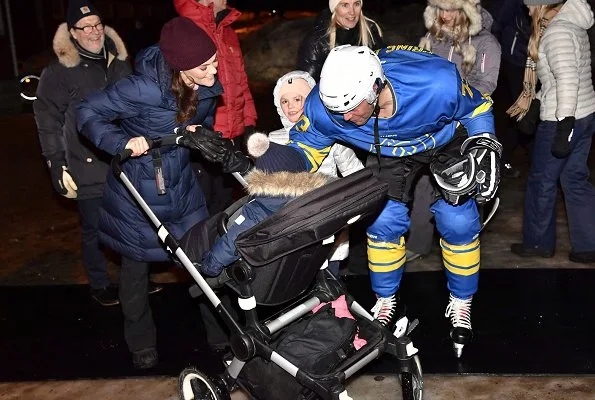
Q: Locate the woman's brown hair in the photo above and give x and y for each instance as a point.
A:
(185, 98)
(539, 21)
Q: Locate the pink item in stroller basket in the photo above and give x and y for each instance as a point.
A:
(342, 311)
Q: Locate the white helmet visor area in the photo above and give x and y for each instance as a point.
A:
(347, 78)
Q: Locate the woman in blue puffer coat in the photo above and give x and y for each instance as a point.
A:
(174, 87)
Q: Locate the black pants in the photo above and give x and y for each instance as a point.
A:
(93, 257)
(421, 228)
(139, 327)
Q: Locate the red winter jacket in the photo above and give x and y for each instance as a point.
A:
(235, 108)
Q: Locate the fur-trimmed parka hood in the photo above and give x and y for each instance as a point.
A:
(471, 8)
(480, 23)
(284, 184)
(69, 56)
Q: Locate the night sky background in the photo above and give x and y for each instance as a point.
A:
(34, 23)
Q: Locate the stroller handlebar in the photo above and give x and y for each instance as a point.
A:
(125, 154)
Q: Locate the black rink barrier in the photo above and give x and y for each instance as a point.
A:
(525, 322)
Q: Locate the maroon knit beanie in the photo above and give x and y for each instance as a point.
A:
(184, 45)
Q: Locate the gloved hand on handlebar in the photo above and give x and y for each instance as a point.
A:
(210, 144)
(236, 161)
(61, 178)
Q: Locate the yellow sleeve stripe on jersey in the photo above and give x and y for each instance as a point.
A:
(482, 108)
(315, 156)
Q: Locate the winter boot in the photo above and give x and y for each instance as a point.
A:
(390, 314)
(145, 358)
(459, 312)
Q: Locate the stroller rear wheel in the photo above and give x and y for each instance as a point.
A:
(412, 382)
(195, 385)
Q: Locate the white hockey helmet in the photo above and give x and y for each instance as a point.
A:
(348, 77)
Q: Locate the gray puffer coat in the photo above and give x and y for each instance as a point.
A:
(484, 74)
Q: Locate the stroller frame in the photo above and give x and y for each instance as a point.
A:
(253, 339)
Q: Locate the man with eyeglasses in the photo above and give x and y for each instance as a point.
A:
(89, 56)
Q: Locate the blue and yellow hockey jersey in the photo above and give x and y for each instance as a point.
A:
(431, 100)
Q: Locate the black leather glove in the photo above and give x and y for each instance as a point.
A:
(61, 179)
(210, 144)
(528, 124)
(236, 161)
(561, 143)
(486, 150)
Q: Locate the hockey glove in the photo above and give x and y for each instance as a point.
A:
(61, 179)
(455, 177)
(486, 150)
(210, 144)
(561, 143)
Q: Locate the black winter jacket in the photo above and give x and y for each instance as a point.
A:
(315, 47)
(512, 28)
(64, 83)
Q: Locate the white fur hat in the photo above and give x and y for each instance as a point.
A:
(332, 4)
(281, 82)
(471, 8)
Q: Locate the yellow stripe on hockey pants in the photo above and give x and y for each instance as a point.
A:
(385, 260)
(462, 267)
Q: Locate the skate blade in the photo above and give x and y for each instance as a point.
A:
(458, 348)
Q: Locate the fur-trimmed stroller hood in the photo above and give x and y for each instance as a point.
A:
(284, 184)
(69, 56)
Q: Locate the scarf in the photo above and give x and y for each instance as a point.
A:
(521, 105)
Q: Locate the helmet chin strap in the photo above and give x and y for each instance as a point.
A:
(379, 86)
(377, 134)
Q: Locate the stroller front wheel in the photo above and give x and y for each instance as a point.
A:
(412, 381)
(195, 385)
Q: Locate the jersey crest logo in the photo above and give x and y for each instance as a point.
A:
(302, 124)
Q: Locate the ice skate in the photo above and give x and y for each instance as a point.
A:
(391, 314)
(459, 312)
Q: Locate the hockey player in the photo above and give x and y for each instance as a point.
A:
(410, 110)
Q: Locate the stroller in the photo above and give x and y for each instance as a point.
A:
(283, 263)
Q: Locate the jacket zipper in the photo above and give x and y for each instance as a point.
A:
(513, 42)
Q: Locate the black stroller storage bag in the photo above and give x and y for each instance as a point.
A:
(316, 344)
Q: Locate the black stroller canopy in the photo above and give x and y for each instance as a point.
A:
(312, 217)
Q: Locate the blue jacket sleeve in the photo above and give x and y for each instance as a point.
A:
(474, 110)
(306, 137)
(96, 115)
(223, 252)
